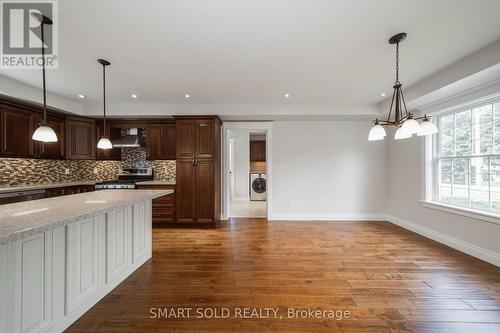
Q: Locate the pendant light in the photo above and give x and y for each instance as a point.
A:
(104, 142)
(44, 132)
(404, 121)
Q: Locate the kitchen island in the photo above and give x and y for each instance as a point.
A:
(60, 256)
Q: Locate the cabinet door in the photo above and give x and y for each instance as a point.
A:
(33, 283)
(118, 242)
(186, 139)
(205, 173)
(16, 132)
(82, 262)
(258, 151)
(81, 140)
(185, 191)
(154, 142)
(170, 141)
(112, 133)
(141, 231)
(52, 150)
(205, 142)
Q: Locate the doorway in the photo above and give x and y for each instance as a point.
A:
(247, 176)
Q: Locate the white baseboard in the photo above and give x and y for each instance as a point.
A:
(457, 244)
(326, 217)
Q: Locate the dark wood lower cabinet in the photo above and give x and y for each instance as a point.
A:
(60, 191)
(186, 190)
(55, 192)
(196, 191)
(163, 207)
(205, 170)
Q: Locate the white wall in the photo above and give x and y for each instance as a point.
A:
(405, 164)
(327, 170)
(241, 164)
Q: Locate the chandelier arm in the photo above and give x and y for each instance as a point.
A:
(390, 109)
(404, 103)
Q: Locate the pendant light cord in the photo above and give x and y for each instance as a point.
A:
(42, 25)
(104, 95)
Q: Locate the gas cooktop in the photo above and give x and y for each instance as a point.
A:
(126, 179)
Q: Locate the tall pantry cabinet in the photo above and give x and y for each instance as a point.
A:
(198, 169)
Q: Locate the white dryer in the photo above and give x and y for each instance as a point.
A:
(258, 187)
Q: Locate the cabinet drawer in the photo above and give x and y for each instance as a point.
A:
(164, 200)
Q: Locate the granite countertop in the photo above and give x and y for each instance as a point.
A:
(23, 219)
(157, 182)
(27, 187)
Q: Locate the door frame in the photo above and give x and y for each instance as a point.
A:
(227, 127)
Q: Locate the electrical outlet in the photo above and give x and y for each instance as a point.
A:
(95, 171)
(66, 171)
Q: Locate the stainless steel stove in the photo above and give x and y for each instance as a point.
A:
(127, 179)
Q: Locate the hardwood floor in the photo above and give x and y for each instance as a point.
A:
(389, 279)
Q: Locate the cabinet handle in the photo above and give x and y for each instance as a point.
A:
(194, 162)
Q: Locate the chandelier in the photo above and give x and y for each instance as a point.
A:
(404, 121)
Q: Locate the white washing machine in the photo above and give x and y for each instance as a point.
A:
(258, 187)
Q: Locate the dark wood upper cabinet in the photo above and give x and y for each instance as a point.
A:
(257, 151)
(170, 141)
(52, 150)
(81, 138)
(186, 130)
(16, 127)
(205, 144)
(154, 142)
(114, 154)
(161, 141)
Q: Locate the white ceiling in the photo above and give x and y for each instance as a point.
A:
(225, 52)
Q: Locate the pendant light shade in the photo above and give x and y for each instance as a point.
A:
(401, 134)
(427, 127)
(377, 132)
(399, 117)
(44, 132)
(104, 142)
(410, 126)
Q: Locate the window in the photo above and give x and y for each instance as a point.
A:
(467, 157)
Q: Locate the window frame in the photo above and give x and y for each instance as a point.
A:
(432, 158)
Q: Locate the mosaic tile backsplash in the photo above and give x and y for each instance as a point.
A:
(16, 171)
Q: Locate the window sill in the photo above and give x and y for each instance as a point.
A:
(462, 211)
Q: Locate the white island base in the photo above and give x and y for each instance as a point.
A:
(51, 278)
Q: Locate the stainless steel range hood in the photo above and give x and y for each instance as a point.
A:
(131, 139)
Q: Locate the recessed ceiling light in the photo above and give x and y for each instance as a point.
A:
(133, 95)
(383, 94)
(187, 96)
(286, 95)
(81, 96)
